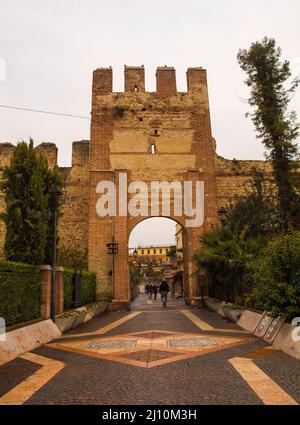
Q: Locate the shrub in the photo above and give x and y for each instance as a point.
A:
(277, 277)
(88, 288)
(72, 258)
(68, 288)
(119, 111)
(19, 292)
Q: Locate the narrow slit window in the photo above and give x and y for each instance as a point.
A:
(153, 149)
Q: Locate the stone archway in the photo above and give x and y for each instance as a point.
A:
(187, 281)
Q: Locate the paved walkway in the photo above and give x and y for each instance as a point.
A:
(153, 355)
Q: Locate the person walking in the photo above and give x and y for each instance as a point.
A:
(155, 292)
(150, 292)
(164, 289)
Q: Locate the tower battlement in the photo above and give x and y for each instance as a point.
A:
(134, 80)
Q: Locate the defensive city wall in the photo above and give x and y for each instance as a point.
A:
(161, 135)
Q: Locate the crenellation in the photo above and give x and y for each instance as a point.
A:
(196, 79)
(134, 77)
(6, 151)
(134, 83)
(102, 81)
(49, 151)
(80, 153)
(166, 81)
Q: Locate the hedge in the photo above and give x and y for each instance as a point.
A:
(88, 288)
(19, 292)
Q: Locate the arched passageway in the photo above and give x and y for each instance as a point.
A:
(157, 251)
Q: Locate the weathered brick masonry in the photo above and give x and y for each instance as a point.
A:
(125, 127)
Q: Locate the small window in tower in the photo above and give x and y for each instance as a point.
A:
(135, 88)
(153, 149)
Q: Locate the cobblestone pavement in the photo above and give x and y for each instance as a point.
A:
(153, 355)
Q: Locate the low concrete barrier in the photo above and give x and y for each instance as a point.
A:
(272, 330)
(27, 338)
(72, 319)
(249, 320)
(285, 341)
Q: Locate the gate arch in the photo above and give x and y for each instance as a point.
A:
(138, 220)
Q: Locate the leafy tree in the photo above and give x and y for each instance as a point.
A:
(276, 279)
(278, 129)
(26, 182)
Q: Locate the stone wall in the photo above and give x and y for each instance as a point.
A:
(73, 224)
(233, 177)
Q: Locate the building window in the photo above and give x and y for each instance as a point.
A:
(142, 252)
(160, 251)
(154, 251)
(148, 251)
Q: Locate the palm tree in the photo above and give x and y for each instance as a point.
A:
(226, 258)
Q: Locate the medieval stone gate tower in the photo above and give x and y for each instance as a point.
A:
(159, 136)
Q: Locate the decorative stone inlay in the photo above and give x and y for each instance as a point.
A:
(149, 348)
(117, 344)
(149, 355)
(153, 335)
(191, 342)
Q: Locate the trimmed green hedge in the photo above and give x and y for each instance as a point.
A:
(68, 288)
(19, 292)
(88, 288)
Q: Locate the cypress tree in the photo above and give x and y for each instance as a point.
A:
(275, 125)
(26, 182)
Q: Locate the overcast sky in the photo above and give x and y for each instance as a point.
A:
(50, 49)
(153, 231)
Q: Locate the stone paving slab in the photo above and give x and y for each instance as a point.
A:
(14, 372)
(284, 370)
(167, 320)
